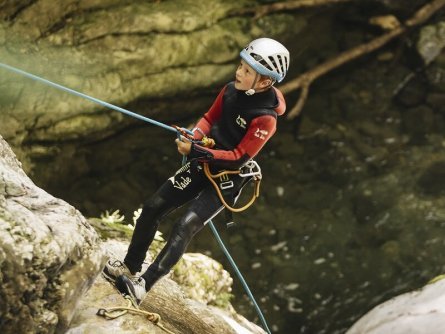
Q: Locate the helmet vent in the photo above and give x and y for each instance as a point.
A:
(275, 65)
(261, 60)
(281, 66)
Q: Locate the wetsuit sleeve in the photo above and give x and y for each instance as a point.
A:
(210, 117)
(258, 133)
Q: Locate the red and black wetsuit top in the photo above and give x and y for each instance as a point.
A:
(240, 125)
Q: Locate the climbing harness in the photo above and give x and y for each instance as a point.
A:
(131, 307)
(167, 127)
(250, 170)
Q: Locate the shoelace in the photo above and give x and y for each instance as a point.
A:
(138, 281)
(117, 263)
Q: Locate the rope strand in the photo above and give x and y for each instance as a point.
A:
(90, 98)
(131, 307)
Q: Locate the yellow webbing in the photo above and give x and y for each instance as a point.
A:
(116, 312)
(211, 177)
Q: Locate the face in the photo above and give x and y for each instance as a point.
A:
(245, 76)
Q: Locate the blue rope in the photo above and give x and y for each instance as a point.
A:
(240, 276)
(90, 98)
(162, 125)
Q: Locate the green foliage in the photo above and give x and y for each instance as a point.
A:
(114, 218)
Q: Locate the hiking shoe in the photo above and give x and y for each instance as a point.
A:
(115, 268)
(134, 287)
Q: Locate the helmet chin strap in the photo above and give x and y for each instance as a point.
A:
(251, 91)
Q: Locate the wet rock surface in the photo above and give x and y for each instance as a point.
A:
(419, 312)
(183, 302)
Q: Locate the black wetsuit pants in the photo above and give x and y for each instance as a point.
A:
(189, 184)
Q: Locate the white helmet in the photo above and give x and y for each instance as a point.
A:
(267, 57)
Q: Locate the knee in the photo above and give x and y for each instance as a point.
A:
(180, 237)
(188, 226)
(153, 209)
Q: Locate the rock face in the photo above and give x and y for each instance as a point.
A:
(181, 308)
(152, 55)
(50, 257)
(164, 59)
(415, 312)
(49, 254)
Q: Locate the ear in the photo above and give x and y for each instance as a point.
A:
(266, 83)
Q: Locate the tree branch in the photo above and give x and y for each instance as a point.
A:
(259, 11)
(304, 81)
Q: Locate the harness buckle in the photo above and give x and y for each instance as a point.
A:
(251, 168)
(226, 185)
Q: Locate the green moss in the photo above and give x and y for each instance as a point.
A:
(107, 230)
(222, 300)
(437, 279)
(203, 279)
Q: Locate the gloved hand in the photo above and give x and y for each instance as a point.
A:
(184, 146)
(208, 142)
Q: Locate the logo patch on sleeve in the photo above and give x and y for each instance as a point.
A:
(241, 122)
(262, 134)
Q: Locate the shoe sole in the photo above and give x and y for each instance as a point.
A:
(108, 276)
(124, 285)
